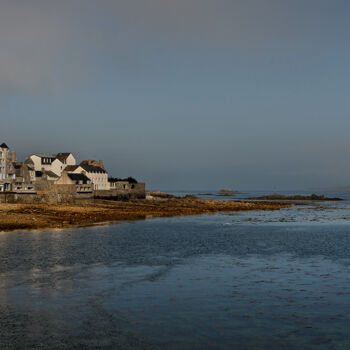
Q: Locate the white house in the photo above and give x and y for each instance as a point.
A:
(55, 163)
(66, 159)
(97, 174)
(47, 162)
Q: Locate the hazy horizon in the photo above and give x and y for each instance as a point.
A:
(186, 94)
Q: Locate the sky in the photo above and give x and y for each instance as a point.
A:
(182, 94)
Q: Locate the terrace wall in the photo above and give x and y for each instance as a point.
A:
(49, 193)
(133, 191)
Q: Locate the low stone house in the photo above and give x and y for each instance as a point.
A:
(123, 190)
(24, 177)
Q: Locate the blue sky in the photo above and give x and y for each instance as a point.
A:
(185, 94)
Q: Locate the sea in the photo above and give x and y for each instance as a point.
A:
(247, 280)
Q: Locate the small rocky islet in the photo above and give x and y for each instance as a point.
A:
(312, 197)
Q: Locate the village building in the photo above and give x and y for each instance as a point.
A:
(24, 177)
(4, 160)
(57, 178)
(67, 159)
(6, 169)
(124, 185)
(127, 188)
(83, 183)
(46, 175)
(95, 172)
(52, 163)
(47, 162)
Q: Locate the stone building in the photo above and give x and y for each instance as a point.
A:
(6, 169)
(24, 179)
(56, 177)
(4, 160)
(123, 190)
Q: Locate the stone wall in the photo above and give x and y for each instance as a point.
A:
(56, 193)
(133, 191)
(47, 192)
(13, 197)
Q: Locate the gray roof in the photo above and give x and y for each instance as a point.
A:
(79, 177)
(17, 165)
(70, 167)
(45, 155)
(29, 161)
(93, 169)
(51, 173)
(63, 155)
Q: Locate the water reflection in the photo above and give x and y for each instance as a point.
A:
(209, 282)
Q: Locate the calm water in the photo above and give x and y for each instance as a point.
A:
(258, 280)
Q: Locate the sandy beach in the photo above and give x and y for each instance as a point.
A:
(46, 216)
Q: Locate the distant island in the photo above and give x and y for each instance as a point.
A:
(225, 192)
(312, 197)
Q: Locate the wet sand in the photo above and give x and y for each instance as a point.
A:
(46, 216)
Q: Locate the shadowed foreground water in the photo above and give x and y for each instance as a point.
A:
(262, 280)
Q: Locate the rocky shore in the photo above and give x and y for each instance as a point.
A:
(282, 197)
(46, 216)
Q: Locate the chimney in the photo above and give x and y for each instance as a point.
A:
(101, 164)
(13, 156)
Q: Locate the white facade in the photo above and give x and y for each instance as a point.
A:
(47, 163)
(97, 175)
(71, 160)
(66, 159)
(4, 160)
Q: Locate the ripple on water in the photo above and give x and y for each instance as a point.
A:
(209, 282)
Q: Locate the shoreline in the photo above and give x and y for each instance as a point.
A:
(24, 217)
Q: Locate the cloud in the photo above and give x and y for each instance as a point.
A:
(35, 43)
(52, 44)
(219, 23)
